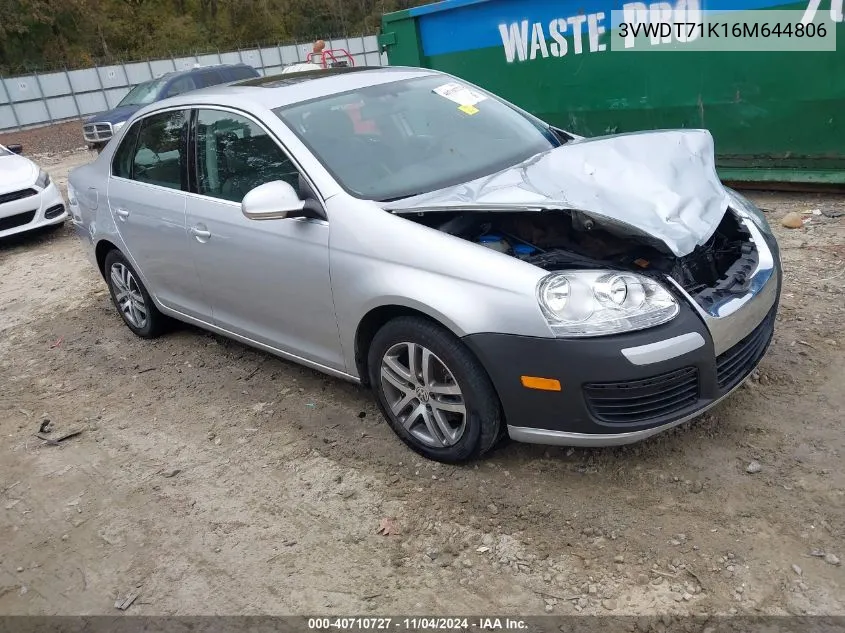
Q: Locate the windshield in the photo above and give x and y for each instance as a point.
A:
(4, 151)
(143, 94)
(404, 138)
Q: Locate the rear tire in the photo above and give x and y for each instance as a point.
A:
(433, 392)
(131, 298)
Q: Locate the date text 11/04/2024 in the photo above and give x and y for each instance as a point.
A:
(416, 624)
(527, 40)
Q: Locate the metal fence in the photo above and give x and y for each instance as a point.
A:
(45, 98)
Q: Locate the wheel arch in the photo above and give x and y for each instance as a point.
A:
(103, 248)
(378, 317)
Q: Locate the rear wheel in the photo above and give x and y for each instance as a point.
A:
(131, 298)
(433, 391)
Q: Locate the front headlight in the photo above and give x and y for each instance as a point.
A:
(43, 179)
(747, 209)
(600, 302)
(116, 126)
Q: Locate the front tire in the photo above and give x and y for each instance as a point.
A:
(131, 298)
(433, 392)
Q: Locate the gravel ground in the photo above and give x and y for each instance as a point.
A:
(213, 478)
(50, 139)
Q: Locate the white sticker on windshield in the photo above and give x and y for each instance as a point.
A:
(462, 95)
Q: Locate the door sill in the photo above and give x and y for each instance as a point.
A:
(253, 343)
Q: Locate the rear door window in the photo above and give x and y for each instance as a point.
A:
(121, 165)
(160, 153)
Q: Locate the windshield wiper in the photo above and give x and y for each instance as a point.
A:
(398, 198)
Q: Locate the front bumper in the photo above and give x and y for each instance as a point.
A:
(43, 208)
(624, 388)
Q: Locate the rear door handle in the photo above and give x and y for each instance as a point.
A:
(121, 213)
(200, 234)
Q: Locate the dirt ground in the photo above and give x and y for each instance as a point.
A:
(48, 139)
(216, 479)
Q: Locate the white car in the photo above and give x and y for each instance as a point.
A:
(28, 198)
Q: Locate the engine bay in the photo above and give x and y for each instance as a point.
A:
(555, 240)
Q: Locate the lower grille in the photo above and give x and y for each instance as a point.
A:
(97, 131)
(636, 401)
(17, 195)
(14, 221)
(734, 364)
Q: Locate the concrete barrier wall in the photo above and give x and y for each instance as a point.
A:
(45, 98)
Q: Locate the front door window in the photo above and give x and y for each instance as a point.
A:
(235, 155)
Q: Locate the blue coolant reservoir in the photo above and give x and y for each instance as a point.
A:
(495, 242)
(523, 250)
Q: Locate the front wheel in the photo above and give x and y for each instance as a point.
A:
(131, 298)
(433, 391)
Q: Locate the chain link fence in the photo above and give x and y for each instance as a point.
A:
(43, 98)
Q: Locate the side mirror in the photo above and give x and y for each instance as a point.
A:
(15, 149)
(278, 200)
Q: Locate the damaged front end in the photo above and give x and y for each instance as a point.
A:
(660, 186)
(647, 203)
(560, 240)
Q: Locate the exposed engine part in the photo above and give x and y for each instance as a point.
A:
(725, 260)
(556, 240)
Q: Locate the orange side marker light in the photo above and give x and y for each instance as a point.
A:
(543, 384)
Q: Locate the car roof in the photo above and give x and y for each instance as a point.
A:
(281, 90)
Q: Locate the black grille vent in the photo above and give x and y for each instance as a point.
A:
(733, 365)
(16, 195)
(14, 221)
(637, 401)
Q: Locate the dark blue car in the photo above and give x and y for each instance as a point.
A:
(99, 128)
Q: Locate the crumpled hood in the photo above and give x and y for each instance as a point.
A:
(663, 184)
(16, 172)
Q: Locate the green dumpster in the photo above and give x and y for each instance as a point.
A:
(776, 115)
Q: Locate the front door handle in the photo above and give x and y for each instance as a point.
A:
(121, 213)
(199, 233)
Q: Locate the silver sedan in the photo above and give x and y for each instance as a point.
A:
(486, 273)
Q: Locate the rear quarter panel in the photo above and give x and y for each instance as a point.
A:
(91, 215)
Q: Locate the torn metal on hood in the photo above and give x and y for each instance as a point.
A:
(662, 184)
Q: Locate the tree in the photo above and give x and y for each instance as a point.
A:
(79, 33)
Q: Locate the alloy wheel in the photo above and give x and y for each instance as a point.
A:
(127, 295)
(423, 395)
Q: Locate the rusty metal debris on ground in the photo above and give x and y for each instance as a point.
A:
(45, 430)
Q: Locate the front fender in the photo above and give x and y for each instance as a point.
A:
(378, 259)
